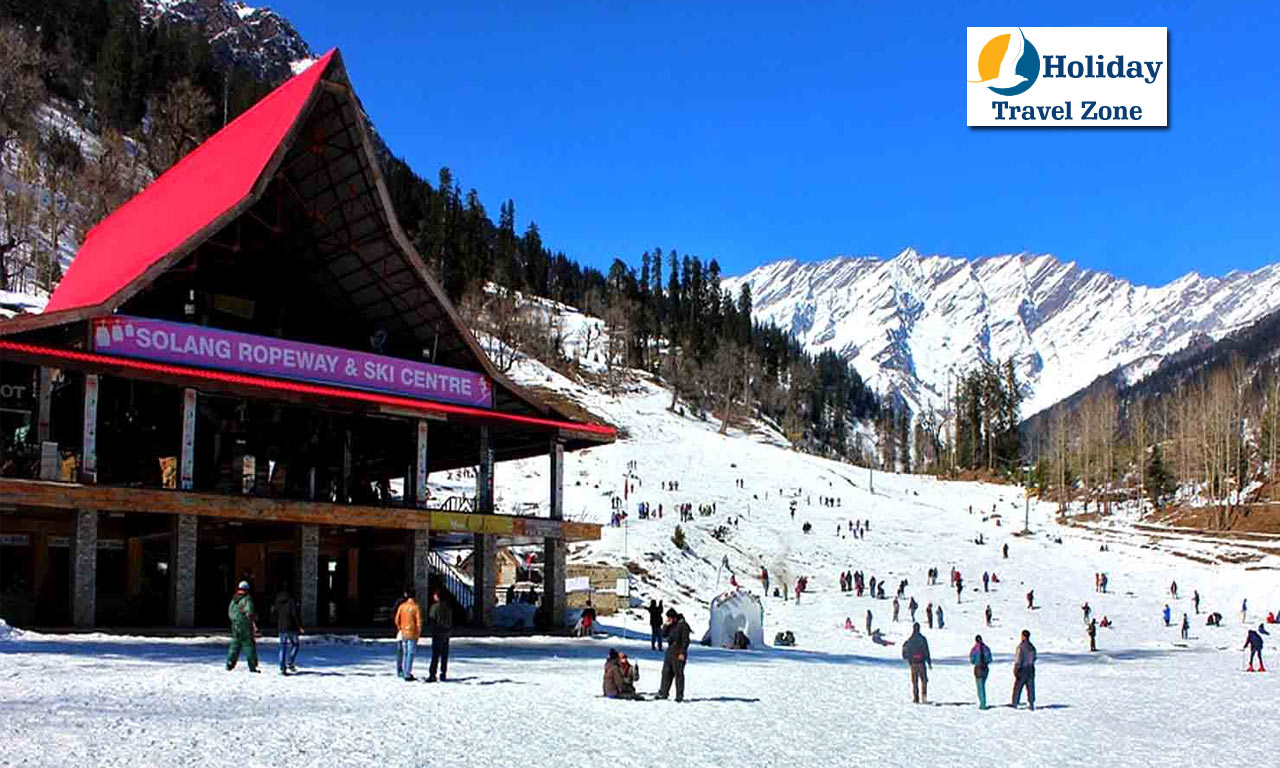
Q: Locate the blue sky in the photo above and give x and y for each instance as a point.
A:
(750, 132)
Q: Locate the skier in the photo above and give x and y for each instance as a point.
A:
(1195, 601)
(287, 622)
(1186, 625)
(1092, 629)
(1024, 671)
(1031, 600)
(408, 621)
(980, 658)
(986, 582)
(673, 663)
(911, 608)
(915, 651)
(440, 617)
(655, 622)
(1253, 641)
(896, 605)
(988, 615)
(244, 626)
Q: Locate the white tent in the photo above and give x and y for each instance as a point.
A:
(733, 611)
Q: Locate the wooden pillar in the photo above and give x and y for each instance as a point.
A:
(133, 571)
(45, 406)
(84, 569)
(89, 446)
(484, 475)
(308, 577)
(182, 570)
(420, 467)
(187, 460)
(554, 549)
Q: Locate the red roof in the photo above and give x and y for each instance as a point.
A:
(208, 182)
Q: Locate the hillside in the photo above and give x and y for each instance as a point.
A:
(910, 323)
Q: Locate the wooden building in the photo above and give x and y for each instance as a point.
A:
(248, 373)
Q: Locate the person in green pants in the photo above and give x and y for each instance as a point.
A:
(980, 657)
(243, 628)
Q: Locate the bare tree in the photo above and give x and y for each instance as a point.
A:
(18, 214)
(109, 179)
(177, 119)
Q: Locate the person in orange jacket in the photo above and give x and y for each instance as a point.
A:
(408, 623)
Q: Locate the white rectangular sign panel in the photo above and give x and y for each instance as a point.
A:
(1080, 77)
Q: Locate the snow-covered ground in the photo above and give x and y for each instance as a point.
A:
(1145, 698)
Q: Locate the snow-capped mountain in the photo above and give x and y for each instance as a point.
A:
(256, 39)
(910, 323)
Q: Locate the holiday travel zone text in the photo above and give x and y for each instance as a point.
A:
(1090, 110)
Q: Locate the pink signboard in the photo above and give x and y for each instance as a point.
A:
(203, 347)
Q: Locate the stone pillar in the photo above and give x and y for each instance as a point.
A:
(420, 566)
(187, 460)
(89, 445)
(484, 475)
(308, 589)
(554, 549)
(182, 571)
(84, 569)
(420, 466)
(484, 562)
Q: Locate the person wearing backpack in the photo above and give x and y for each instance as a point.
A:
(915, 651)
(980, 658)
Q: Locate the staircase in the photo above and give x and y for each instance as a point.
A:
(455, 581)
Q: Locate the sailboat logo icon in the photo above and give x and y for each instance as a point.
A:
(1008, 64)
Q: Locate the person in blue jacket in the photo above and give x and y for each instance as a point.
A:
(1167, 614)
(980, 658)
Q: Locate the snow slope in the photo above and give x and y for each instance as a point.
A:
(909, 322)
(1144, 699)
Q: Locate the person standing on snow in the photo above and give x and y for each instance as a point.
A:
(928, 612)
(988, 614)
(1186, 626)
(986, 582)
(1024, 671)
(1006, 551)
(1244, 611)
(938, 611)
(868, 621)
(408, 621)
(655, 620)
(1253, 641)
(1031, 600)
(244, 626)
(288, 623)
(959, 587)
(1195, 601)
(440, 618)
(915, 651)
(1092, 629)
(1167, 614)
(911, 608)
(896, 606)
(673, 663)
(1173, 589)
(980, 658)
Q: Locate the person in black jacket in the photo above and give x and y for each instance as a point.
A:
(655, 625)
(440, 621)
(915, 651)
(678, 636)
(289, 622)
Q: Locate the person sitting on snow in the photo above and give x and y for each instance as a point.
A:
(620, 676)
